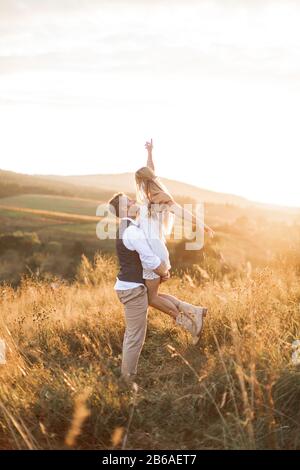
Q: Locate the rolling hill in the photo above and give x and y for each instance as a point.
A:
(13, 184)
(125, 182)
(24, 199)
(61, 212)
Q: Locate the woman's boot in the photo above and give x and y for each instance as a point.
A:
(192, 309)
(191, 318)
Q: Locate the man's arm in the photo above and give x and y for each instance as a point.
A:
(162, 270)
(135, 240)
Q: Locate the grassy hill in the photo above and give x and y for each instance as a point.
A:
(61, 215)
(12, 184)
(71, 205)
(61, 212)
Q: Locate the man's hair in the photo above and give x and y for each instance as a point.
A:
(114, 203)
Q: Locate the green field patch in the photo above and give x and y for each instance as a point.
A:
(15, 214)
(83, 228)
(52, 203)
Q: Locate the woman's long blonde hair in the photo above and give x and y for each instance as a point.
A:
(151, 191)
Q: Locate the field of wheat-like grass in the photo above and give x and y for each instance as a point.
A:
(60, 387)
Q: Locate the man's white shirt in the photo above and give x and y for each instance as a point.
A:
(134, 239)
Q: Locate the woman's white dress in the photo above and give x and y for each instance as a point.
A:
(152, 226)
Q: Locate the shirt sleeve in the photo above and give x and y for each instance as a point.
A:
(135, 240)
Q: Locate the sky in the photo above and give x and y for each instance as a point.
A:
(216, 84)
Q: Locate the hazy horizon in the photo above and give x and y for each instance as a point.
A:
(234, 195)
(83, 85)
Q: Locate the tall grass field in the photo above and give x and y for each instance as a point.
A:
(60, 387)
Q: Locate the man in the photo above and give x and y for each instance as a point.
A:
(134, 254)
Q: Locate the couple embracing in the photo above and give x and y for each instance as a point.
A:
(144, 262)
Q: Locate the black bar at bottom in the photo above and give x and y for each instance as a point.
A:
(139, 458)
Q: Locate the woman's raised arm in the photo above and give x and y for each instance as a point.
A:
(184, 213)
(149, 147)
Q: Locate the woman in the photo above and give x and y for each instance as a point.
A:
(157, 212)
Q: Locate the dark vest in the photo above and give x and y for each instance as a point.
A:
(131, 269)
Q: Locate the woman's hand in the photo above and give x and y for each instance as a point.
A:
(209, 231)
(149, 146)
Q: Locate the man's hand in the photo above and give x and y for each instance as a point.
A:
(166, 277)
(161, 270)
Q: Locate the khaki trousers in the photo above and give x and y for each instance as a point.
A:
(135, 303)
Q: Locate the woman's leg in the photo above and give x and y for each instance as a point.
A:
(172, 306)
(171, 298)
(185, 306)
(160, 301)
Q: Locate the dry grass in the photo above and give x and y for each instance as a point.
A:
(60, 386)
